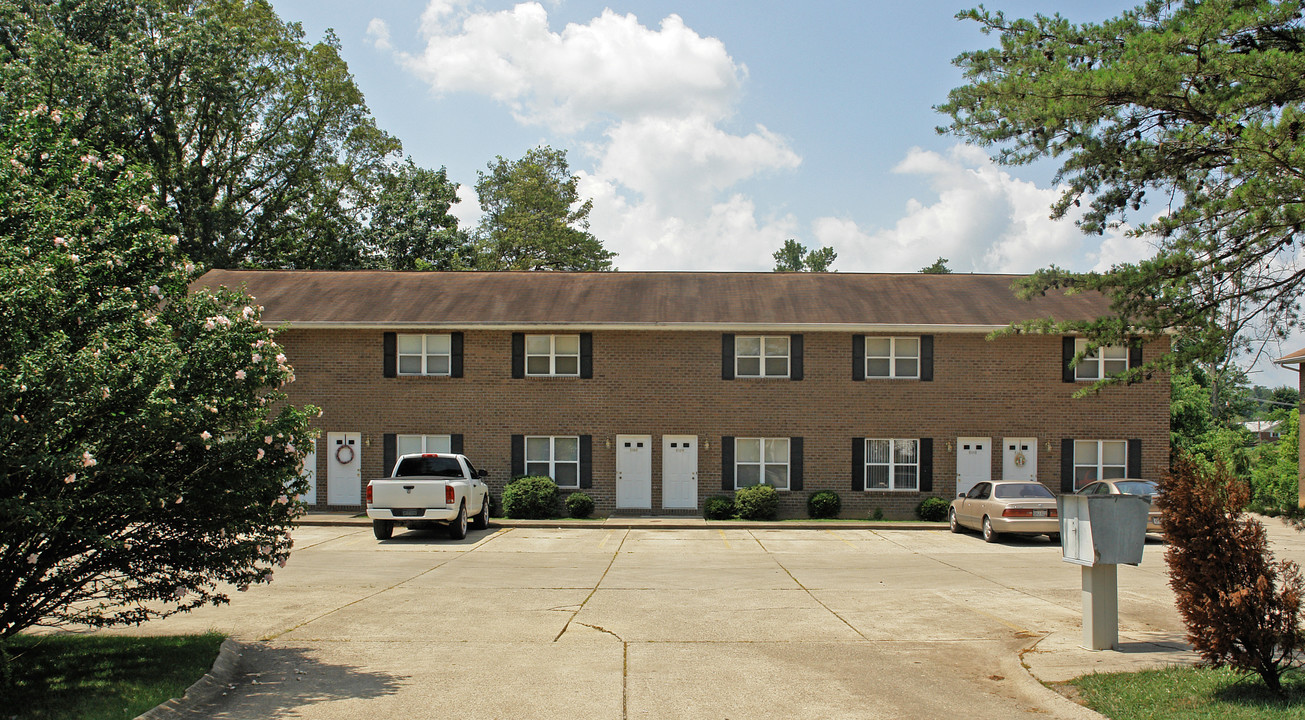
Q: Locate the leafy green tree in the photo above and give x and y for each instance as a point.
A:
(260, 144)
(534, 218)
(795, 257)
(1275, 468)
(1201, 422)
(148, 459)
(1194, 105)
(410, 225)
(939, 267)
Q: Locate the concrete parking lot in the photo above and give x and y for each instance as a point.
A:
(656, 623)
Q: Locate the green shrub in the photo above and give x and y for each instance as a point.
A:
(878, 514)
(933, 509)
(824, 504)
(530, 498)
(758, 502)
(579, 505)
(718, 508)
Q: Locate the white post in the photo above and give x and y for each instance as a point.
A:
(1100, 606)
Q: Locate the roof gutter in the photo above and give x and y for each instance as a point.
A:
(627, 326)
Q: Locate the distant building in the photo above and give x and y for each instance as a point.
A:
(1265, 431)
(1298, 359)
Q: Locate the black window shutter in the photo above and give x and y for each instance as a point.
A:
(1135, 353)
(926, 464)
(1067, 359)
(455, 356)
(518, 355)
(926, 358)
(727, 357)
(389, 452)
(455, 443)
(390, 346)
(518, 455)
(1067, 465)
(858, 357)
(1134, 468)
(586, 461)
(795, 462)
(858, 464)
(586, 355)
(795, 357)
(727, 464)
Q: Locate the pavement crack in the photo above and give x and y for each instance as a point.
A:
(807, 590)
(602, 629)
(615, 554)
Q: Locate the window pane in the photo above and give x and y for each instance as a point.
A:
(908, 368)
(1114, 453)
(747, 450)
(1086, 370)
(904, 451)
(747, 475)
(876, 476)
(540, 469)
(776, 346)
(877, 367)
(537, 345)
(439, 444)
(410, 364)
(1085, 452)
(568, 474)
(566, 448)
(537, 448)
(567, 345)
(777, 367)
(437, 344)
(777, 476)
(747, 346)
(878, 347)
(437, 365)
(905, 477)
(537, 365)
(777, 451)
(567, 366)
(878, 451)
(749, 367)
(908, 347)
(410, 344)
(408, 445)
(1114, 367)
(1112, 473)
(1115, 352)
(1084, 475)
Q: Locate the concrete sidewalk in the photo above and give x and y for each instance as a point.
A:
(669, 522)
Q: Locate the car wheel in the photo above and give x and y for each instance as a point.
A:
(383, 529)
(989, 535)
(481, 520)
(1054, 537)
(458, 527)
(951, 521)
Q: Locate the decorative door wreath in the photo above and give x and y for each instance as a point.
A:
(1020, 459)
(341, 455)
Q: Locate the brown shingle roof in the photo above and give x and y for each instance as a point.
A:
(379, 298)
(1296, 358)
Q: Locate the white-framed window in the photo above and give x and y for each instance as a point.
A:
(553, 355)
(557, 457)
(892, 357)
(1099, 460)
(761, 461)
(1101, 363)
(425, 354)
(892, 464)
(761, 356)
(414, 444)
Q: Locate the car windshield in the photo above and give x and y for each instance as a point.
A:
(1023, 490)
(1137, 487)
(430, 467)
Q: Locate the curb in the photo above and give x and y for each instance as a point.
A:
(660, 523)
(1054, 700)
(214, 683)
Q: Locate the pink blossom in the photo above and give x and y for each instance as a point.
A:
(60, 241)
(31, 559)
(178, 502)
(282, 500)
(209, 325)
(260, 454)
(72, 477)
(155, 290)
(75, 142)
(104, 393)
(205, 435)
(87, 460)
(280, 358)
(281, 562)
(143, 208)
(257, 357)
(240, 374)
(267, 439)
(289, 449)
(248, 312)
(74, 257)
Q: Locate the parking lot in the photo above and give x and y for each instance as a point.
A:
(601, 622)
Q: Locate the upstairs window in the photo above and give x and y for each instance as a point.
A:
(892, 357)
(550, 355)
(761, 356)
(1101, 363)
(425, 354)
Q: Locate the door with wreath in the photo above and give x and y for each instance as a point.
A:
(1019, 459)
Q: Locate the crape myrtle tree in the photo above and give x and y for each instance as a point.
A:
(1190, 111)
(147, 464)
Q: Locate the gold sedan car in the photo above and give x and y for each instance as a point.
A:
(1143, 488)
(1015, 508)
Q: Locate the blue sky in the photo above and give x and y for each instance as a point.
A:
(709, 132)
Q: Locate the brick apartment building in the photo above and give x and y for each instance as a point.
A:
(655, 391)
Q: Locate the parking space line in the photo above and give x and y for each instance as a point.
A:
(840, 537)
(724, 539)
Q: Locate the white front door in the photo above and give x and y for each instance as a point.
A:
(344, 468)
(973, 462)
(1019, 459)
(634, 471)
(680, 471)
(310, 473)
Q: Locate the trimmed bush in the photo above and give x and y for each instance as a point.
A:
(878, 514)
(824, 504)
(758, 502)
(530, 498)
(579, 505)
(933, 509)
(718, 508)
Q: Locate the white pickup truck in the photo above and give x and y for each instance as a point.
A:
(427, 489)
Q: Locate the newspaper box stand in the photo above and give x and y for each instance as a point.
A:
(1101, 532)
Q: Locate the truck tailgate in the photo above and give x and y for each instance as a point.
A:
(410, 492)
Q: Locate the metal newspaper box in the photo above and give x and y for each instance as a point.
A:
(1101, 532)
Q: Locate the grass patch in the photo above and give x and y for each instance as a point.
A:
(97, 677)
(1183, 693)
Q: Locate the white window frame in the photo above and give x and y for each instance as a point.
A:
(552, 356)
(892, 357)
(427, 443)
(425, 354)
(893, 464)
(551, 461)
(762, 464)
(1099, 467)
(762, 356)
(1097, 365)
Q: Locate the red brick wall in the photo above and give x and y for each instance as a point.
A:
(669, 382)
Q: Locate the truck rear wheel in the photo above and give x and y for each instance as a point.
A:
(383, 529)
(458, 526)
(481, 521)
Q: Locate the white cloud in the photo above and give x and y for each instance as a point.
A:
(379, 34)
